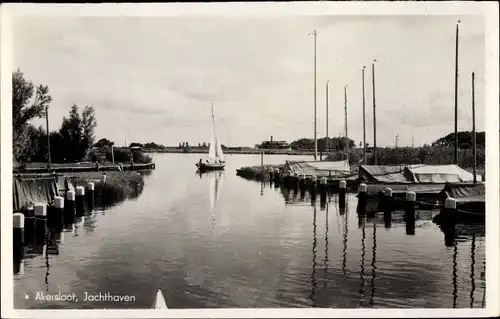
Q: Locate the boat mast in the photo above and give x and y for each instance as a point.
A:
(364, 122)
(327, 119)
(455, 158)
(346, 136)
(473, 130)
(374, 117)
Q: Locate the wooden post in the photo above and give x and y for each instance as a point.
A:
(29, 221)
(342, 193)
(449, 222)
(18, 236)
(90, 196)
(69, 208)
(362, 199)
(411, 197)
(387, 206)
(80, 201)
(57, 217)
(40, 211)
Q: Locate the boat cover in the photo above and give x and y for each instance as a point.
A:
(465, 192)
(386, 174)
(441, 174)
(337, 169)
(33, 190)
(419, 173)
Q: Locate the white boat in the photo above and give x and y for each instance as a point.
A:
(215, 159)
(159, 302)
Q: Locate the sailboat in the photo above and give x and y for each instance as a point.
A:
(215, 159)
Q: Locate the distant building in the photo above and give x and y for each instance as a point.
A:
(271, 144)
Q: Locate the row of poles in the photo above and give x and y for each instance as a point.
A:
(314, 34)
(35, 221)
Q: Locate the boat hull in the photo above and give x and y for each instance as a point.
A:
(203, 167)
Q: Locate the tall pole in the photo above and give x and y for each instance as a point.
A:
(473, 129)
(345, 107)
(315, 131)
(374, 117)
(364, 122)
(327, 118)
(48, 134)
(456, 97)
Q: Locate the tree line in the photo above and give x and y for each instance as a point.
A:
(73, 141)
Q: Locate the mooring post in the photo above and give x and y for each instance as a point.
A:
(69, 208)
(57, 217)
(80, 201)
(387, 206)
(342, 192)
(302, 181)
(411, 198)
(449, 221)
(18, 236)
(295, 182)
(40, 212)
(90, 196)
(362, 199)
(29, 221)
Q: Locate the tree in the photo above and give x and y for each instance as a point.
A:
(24, 110)
(89, 124)
(199, 145)
(72, 135)
(103, 142)
(204, 145)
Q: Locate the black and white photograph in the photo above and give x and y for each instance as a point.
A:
(200, 157)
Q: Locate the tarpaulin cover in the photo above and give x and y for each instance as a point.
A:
(420, 173)
(441, 174)
(33, 190)
(319, 168)
(386, 174)
(465, 192)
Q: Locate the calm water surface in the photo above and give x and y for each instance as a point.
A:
(221, 241)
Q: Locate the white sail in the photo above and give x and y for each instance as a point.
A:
(218, 148)
(212, 153)
(159, 302)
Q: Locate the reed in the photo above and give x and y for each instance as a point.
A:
(118, 186)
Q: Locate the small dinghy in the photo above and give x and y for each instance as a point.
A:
(159, 302)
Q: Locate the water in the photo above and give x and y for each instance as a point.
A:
(252, 250)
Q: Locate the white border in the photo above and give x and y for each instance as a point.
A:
(234, 10)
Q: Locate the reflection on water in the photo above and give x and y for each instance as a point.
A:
(374, 254)
(314, 283)
(250, 244)
(361, 223)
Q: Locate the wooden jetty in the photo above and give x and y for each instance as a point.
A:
(84, 168)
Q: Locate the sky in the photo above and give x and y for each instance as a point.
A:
(155, 78)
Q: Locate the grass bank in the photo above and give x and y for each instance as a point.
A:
(118, 186)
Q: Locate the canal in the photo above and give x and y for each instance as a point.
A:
(218, 240)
